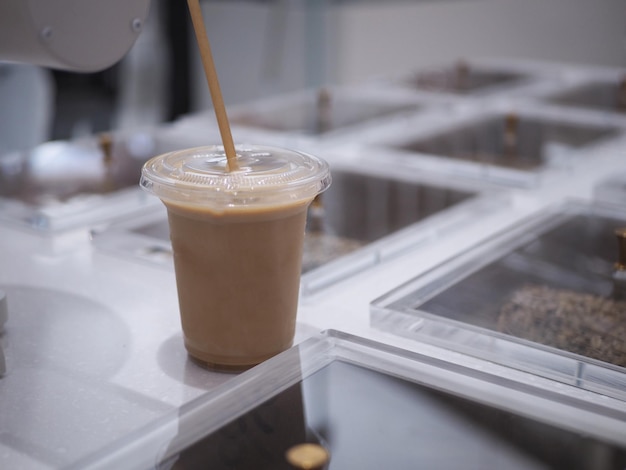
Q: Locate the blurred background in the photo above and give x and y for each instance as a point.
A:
(266, 47)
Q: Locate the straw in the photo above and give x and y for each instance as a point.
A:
(214, 86)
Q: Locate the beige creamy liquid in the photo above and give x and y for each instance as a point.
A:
(238, 277)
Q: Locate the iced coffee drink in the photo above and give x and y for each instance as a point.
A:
(237, 241)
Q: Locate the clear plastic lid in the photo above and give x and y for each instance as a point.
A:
(266, 176)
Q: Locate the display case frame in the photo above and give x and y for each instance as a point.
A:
(156, 446)
(130, 239)
(467, 124)
(401, 311)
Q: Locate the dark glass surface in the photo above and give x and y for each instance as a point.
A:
(558, 290)
(510, 141)
(602, 96)
(159, 230)
(59, 172)
(371, 420)
(356, 210)
(329, 112)
(462, 79)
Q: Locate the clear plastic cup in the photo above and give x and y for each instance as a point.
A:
(237, 239)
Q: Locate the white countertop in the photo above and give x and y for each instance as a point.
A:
(93, 347)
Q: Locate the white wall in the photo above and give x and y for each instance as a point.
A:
(396, 36)
(369, 38)
(262, 48)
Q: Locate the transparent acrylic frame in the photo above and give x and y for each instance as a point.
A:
(557, 160)
(124, 239)
(398, 312)
(145, 448)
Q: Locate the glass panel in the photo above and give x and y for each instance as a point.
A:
(510, 141)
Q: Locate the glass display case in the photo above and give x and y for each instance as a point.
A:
(466, 79)
(64, 184)
(365, 217)
(601, 95)
(462, 78)
(360, 208)
(510, 144)
(611, 190)
(510, 141)
(546, 296)
(368, 405)
(323, 115)
(527, 329)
